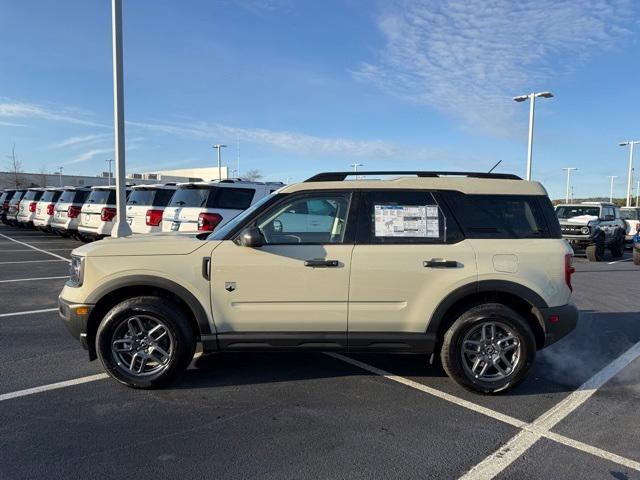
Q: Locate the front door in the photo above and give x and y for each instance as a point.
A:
(293, 291)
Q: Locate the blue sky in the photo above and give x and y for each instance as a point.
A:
(309, 85)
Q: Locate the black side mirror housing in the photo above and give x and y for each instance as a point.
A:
(609, 218)
(251, 237)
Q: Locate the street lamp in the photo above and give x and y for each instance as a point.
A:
(532, 106)
(631, 144)
(355, 168)
(219, 146)
(611, 178)
(568, 170)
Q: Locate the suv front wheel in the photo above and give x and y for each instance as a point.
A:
(145, 342)
(488, 349)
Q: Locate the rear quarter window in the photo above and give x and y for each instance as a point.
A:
(504, 216)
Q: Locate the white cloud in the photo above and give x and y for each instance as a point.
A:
(81, 140)
(88, 155)
(11, 124)
(30, 110)
(468, 58)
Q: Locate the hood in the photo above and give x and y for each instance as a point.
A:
(144, 245)
(579, 220)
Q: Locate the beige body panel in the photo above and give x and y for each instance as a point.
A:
(391, 290)
(275, 292)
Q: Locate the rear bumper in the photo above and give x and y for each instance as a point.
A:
(558, 322)
(76, 323)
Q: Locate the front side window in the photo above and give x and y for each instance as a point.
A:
(313, 219)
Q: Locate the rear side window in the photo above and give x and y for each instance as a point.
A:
(405, 217)
(232, 198)
(50, 196)
(190, 196)
(102, 197)
(503, 216)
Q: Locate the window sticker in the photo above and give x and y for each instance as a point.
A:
(407, 221)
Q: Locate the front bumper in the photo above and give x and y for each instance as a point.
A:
(558, 322)
(75, 316)
(578, 241)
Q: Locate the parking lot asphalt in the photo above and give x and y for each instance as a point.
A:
(313, 415)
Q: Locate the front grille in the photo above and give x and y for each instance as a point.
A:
(571, 229)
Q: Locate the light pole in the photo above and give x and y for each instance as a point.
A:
(631, 144)
(60, 175)
(355, 168)
(611, 178)
(109, 162)
(568, 170)
(219, 147)
(532, 106)
(637, 193)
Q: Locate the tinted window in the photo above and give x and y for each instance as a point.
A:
(501, 216)
(190, 196)
(73, 196)
(107, 197)
(32, 195)
(629, 214)
(141, 197)
(162, 197)
(232, 198)
(569, 211)
(50, 196)
(401, 217)
(294, 223)
(17, 196)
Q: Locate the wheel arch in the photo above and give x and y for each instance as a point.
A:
(514, 295)
(111, 293)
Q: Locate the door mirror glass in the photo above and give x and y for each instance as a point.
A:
(251, 237)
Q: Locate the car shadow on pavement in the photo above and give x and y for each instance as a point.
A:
(599, 338)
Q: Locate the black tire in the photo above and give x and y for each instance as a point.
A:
(179, 331)
(617, 246)
(636, 256)
(452, 355)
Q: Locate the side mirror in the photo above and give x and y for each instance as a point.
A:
(251, 237)
(609, 218)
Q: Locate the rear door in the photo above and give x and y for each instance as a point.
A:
(409, 256)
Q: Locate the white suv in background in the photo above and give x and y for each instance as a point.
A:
(14, 206)
(67, 210)
(631, 216)
(145, 206)
(205, 206)
(45, 208)
(27, 208)
(98, 213)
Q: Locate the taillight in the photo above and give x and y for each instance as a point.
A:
(73, 212)
(107, 214)
(154, 217)
(208, 221)
(50, 208)
(568, 270)
(32, 207)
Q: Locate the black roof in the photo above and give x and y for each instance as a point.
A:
(340, 176)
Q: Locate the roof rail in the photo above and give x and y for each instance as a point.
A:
(340, 176)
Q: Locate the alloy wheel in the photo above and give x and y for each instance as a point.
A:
(491, 351)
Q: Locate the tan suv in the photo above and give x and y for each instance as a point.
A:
(470, 266)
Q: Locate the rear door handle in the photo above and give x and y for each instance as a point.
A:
(437, 263)
(321, 263)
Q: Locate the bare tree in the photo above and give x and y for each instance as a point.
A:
(252, 175)
(15, 168)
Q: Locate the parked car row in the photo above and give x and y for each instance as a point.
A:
(89, 213)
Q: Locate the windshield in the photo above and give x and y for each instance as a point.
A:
(221, 233)
(630, 214)
(570, 211)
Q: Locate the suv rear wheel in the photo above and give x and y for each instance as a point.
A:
(617, 246)
(145, 342)
(488, 349)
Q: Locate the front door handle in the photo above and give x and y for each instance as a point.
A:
(321, 263)
(206, 268)
(438, 263)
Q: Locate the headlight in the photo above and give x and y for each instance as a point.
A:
(585, 230)
(76, 271)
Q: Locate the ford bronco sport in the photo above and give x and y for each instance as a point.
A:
(594, 227)
(469, 266)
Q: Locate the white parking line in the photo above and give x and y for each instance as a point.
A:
(32, 279)
(504, 456)
(618, 261)
(52, 386)
(28, 312)
(29, 250)
(36, 248)
(32, 261)
(530, 432)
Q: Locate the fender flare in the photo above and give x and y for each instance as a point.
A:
(152, 281)
(498, 286)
